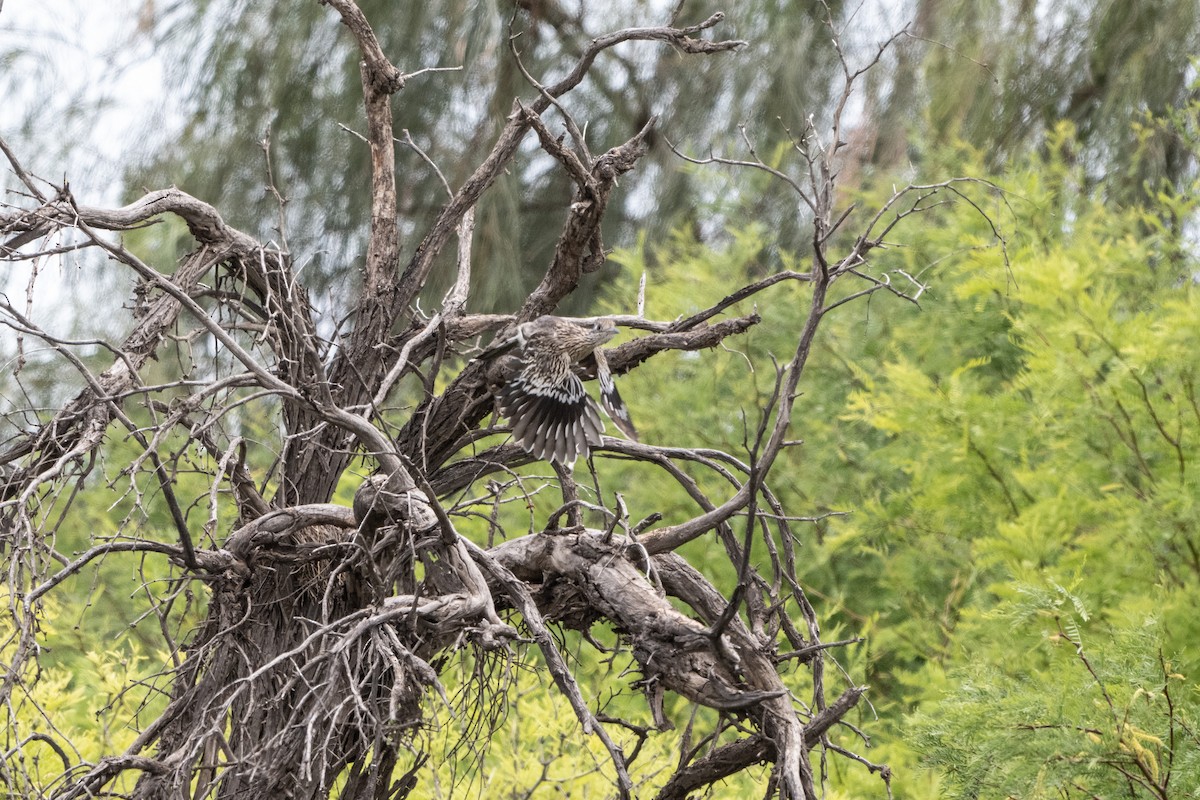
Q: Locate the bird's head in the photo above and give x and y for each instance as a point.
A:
(577, 339)
(589, 336)
(601, 330)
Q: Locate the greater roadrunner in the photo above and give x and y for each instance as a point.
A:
(552, 416)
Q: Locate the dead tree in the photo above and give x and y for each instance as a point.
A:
(325, 625)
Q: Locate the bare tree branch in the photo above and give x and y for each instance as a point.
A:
(324, 631)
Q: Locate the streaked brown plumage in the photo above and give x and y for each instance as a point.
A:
(552, 416)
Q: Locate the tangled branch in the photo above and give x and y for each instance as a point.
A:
(324, 629)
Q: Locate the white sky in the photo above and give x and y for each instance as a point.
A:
(74, 56)
(80, 89)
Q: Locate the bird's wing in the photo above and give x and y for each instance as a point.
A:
(555, 422)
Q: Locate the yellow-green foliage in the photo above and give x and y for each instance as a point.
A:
(101, 665)
(538, 741)
(76, 711)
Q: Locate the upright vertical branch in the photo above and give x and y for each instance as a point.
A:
(360, 366)
(380, 80)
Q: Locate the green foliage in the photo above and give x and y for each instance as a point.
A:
(78, 707)
(1078, 706)
(1035, 427)
(1020, 457)
(103, 665)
